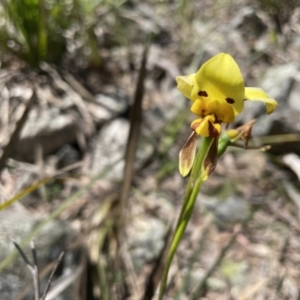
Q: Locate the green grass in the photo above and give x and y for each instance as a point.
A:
(39, 30)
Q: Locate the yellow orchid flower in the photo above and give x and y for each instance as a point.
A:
(218, 93)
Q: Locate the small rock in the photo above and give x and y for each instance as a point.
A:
(278, 82)
(49, 128)
(294, 99)
(214, 283)
(148, 240)
(229, 211)
(234, 271)
(109, 150)
(108, 107)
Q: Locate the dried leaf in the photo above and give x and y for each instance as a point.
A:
(187, 155)
(211, 159)
(245, 131)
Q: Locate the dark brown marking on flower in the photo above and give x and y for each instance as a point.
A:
(213, 132)
(218, 120)
(202, 94)
(229, 100)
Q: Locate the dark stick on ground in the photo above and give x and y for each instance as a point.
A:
(52, 274)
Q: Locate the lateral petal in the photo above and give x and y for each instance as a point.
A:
(257, 94)
(185, 85)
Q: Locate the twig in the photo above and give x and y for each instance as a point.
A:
(63, 283)
(41, 165)
(133, 137)
(52, 274)
(35, 271)
(128, 264)
(33, 268)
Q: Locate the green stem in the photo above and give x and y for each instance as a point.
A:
(194, 184)
(195, 174)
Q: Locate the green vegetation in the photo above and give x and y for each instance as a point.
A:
(43, 30)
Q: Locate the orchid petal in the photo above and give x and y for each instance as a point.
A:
(199, 107)
(185, 85)
(257, 94)
(207, 127)
(221, 78)
(223, 111)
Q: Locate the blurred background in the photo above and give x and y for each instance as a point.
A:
(77, 89)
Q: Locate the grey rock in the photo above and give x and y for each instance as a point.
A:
(108, 107)
(248, 22)
(49, 243)
(148, 240)
(232, 210)
(116, 104)
(49, 128)
(294, 99)
(214, 283)
(109, 150)
(156, 117)
(278, 82)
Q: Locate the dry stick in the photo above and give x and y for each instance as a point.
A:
(23, 294)
(35, 272)
(132, 142)
(41, 165)
(78, 87)
(32, 267)
(131, 148)
(52, 274)
(15, 135)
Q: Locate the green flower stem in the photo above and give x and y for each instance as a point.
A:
(194, 184)
(195, 174)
